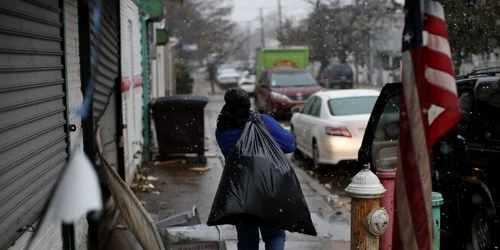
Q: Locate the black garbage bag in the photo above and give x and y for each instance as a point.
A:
(259, 186)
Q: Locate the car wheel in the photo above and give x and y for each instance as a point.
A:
(481, 223)
(315, 155)
(480, 232)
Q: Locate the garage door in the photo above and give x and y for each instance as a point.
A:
(33, 147)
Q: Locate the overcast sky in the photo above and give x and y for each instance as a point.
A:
(247, 12)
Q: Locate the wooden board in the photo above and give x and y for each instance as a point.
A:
(132, 211)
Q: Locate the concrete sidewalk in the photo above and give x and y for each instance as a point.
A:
(181, 188)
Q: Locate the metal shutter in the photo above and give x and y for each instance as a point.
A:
(33, 138)
(107, 106)
(107, 80)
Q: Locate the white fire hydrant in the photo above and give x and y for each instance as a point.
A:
(368, 219)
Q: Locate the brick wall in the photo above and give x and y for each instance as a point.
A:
(130, 41)
(50, 236)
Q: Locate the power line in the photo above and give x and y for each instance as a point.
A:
(280, 18)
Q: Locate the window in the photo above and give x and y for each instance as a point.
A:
(488, 110)
(228, 71)
(292, 79)
(388, 125)
(307, 108)
(352, 105)
(316, 107)
(466, 101)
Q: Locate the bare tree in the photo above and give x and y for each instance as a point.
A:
(473, 28)
(337, 30)
(206, 23)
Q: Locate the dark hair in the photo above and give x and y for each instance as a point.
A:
(236, 111)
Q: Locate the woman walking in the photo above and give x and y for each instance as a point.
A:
(230, 124)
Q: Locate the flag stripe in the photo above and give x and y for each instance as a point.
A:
(440, 62)
(434, 8)
(440, 125)
(434, 112)
(441, 79)
(437, 43)
(428, 109)
(443, 99)
(436, 26)
(417, 171)
(402, 210)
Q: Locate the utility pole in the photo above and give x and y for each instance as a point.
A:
(280, 33)
(249, 40)
(262, 39)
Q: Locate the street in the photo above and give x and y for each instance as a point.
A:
(181, 188)
(108, 124)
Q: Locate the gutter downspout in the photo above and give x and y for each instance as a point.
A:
(145, 88)
(173, 42)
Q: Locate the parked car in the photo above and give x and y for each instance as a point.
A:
(337, 76)
(281, 89)
(330, 127)
(464, 162)
(223, 66)
(227, 77)
(247, 81)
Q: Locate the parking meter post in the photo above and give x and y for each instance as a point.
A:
(368, 219)
(387, 179)
(437, 201)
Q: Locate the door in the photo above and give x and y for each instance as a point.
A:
(380, 141)
(33, 134)
(311, 122)
(308, 123)
(486, 131)
(299, 126)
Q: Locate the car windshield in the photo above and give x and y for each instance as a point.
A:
(340, 68)
(292, 79)
(228, 71)
(356, 105)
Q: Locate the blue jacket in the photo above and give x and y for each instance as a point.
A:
(228, 139)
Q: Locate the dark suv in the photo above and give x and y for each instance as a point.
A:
(337, 76)
(465, 162)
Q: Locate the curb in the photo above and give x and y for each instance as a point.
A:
(313, 183)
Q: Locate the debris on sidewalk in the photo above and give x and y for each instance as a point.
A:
(142, 181)
(161, 163)
(200, 169)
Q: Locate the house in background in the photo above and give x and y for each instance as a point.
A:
(381, 63)
(481, 61)
(45, 66)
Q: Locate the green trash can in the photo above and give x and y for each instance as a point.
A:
(437, 201)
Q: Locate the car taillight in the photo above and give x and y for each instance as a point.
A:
(338, 131)
(331, 76)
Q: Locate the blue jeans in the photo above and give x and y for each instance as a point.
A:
(248, 238)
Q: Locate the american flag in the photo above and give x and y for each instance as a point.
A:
(429, 108)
